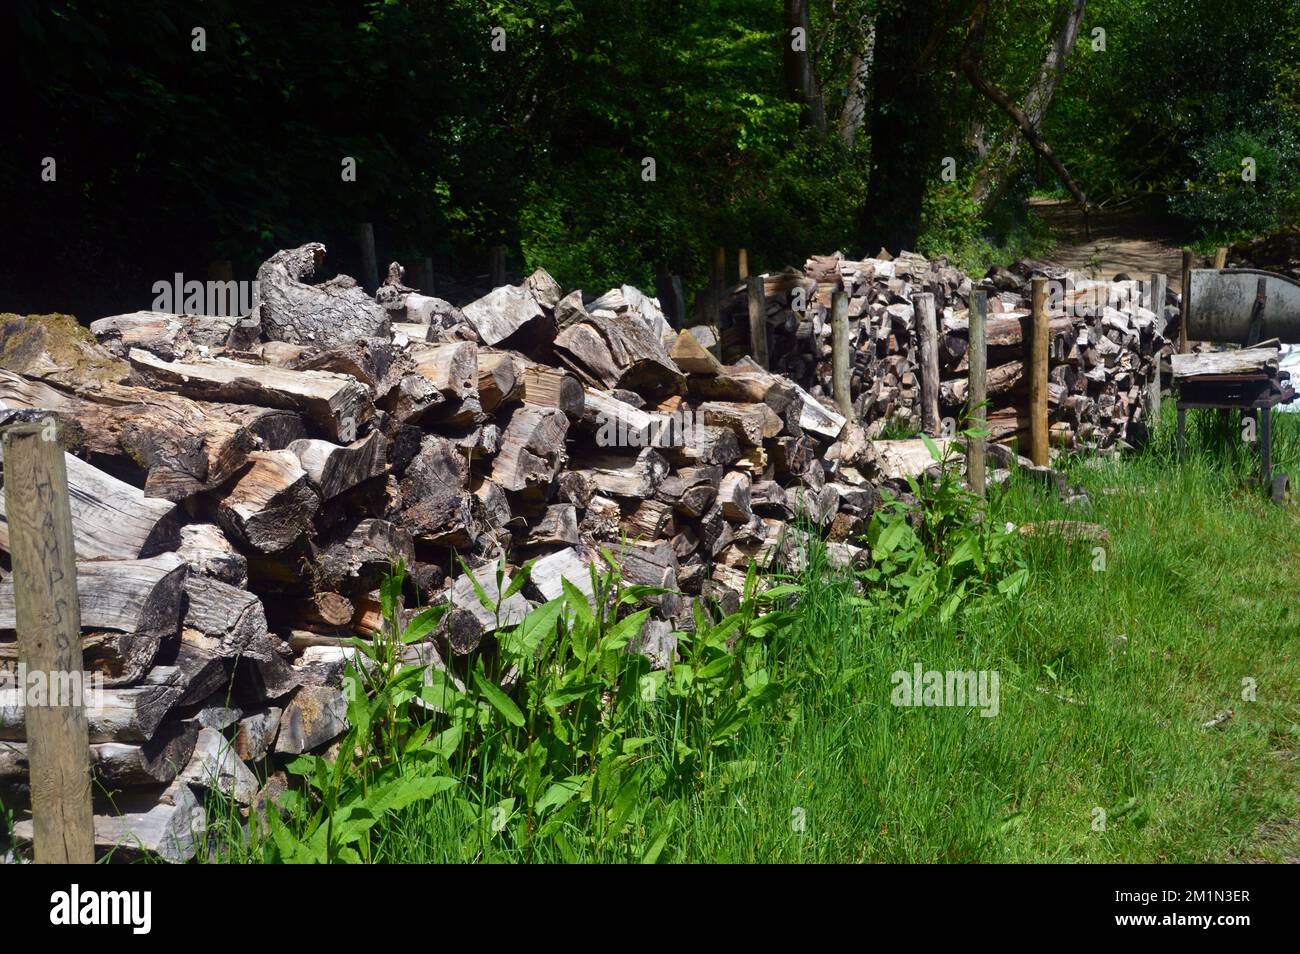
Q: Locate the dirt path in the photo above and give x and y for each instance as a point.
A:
(1122, 241)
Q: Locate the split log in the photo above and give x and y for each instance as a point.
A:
(733, 497)
(130, 714)
(140, 597)
(619, 352)
(616, 476)
(567, 564)
(752, 423)
(209, 553)
(525, 309)
(116, 764)
(332, 468)
(271, 505)
(451, 368)
(339, 405)
(532, 448)
(357, 562)
(169, 336)
(231, 620)
(214, 765)
(552, 387)
(111, 520)
(498, 380)
(315, 716)
(436, 502)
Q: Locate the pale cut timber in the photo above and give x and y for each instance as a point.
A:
(1244, 361)
(733, 497)
(140, 598)
(532, 448)
(452, 368)
(271, 505)
(752, 423)
(333, 468)
(509, 309)
(567, 564)
(552, 387)
(216, 766)
(169, 336)
(111, 520)
(498, 379)
(209, 553)
(170, 827)
(316, 715)
(336, 403)
(692, 357)
(232, 620)
(619, 477)
(130, 714)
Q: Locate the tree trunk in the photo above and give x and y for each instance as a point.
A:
(799, 75)
(906, 129)
(855, 105)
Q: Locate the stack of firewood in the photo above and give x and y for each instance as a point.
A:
(1107, 338)
(240, 486)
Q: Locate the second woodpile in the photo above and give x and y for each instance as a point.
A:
(1106, 341)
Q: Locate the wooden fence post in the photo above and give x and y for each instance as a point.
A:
(1184, 309)
(369, 260)
(840, 351)
(1039, 338)
(742, 263)
(497, 266)
(48, 621)
(976, 390)
(1221, 257)
(928, 331)
(758, 320)
(1159, 282)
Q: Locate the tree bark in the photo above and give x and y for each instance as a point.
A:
(860, 68)
(799, 75)
(1030, 116)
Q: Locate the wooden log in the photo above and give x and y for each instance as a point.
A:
(332, 468)
(616, 476)
(751, 423)
(339, 405)
(322, 315)
(690, 490)
(111, 520)
(1037, 361)
(1154, 385)
(524, 309)
(208, 552)
(976, 377)
(357, 561)
(1221, 257)
(552, 387)
(169, 826)
(452, 367)
(232, 620)
(117, 764)
(47, 618)
(532, 448)
(1186, 301)
(692, 357)
(170, 336)
(316, 715)
(130, 714)
(436, 502)
(570, 564)
(928, 337)
(840, 351)
(271, 505)
(140, 597)
(216, 766)
(619, 351)
(498, 380)
(733, 497)
(559, 525)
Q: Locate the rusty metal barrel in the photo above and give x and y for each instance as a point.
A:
(1223, 302)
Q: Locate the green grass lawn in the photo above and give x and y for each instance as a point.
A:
(1199, 578)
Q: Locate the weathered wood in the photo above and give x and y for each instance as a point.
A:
(733, 497)
(1186, 301)
(532, 448)
(130, 714)
(332, 468)
(619, 351)
(840, 351)
(436, 502)
(975, 414)
(111, 520)
(169, 336)
(498, 379)
(509, 309)
(617, 476)
(323, 315)
(928, 338)
(552, 387)
(692, 357)
(216, 766)
(271, 505)
(231, 619)
(47, 617)
(357, 562)
(1037, 361)
(1243, 361)
(316, 715)
(751, 423)
(339, 405)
